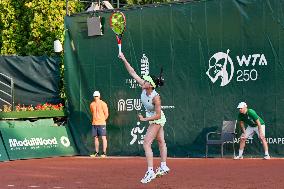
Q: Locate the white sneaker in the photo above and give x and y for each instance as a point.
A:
(238, 157)
(162, 171)
(266, 157)
(149, 176)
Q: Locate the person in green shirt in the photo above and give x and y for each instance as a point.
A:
(254, 124)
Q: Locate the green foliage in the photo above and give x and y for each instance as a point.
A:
(29, 27)
(144, 2)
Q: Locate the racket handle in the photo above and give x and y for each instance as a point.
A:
(119, 48)
(119, 44)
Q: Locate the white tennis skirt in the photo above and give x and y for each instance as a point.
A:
(160, 121)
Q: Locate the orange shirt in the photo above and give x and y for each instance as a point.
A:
(99, 112)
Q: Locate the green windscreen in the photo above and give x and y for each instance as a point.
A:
(35, 80)
(214, 54)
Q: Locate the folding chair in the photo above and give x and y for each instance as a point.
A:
(227, 135)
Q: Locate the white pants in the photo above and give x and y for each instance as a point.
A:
(251, 130)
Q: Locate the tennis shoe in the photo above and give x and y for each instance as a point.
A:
(238, 157)
(149, 176)
(161, 171)
(266, 157)
(96, 154)
(103, 155)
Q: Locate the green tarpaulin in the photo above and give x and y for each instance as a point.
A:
(214, 53)
(3, 153)
(36, 79)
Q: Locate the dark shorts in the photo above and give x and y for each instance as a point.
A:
(99, 130)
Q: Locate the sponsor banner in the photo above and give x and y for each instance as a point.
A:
(3, 153)
(270, 140)
(138, 134)
(25, 143)
(144, 70)
(244, 68)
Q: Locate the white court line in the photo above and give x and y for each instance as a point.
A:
(171, 158)
(10, 185)
(57, 187)
(34, 186)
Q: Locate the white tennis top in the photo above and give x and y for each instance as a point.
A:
(147, 102)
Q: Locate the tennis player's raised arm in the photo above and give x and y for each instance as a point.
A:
(130, 70)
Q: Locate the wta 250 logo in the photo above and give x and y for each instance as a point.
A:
(221, 67)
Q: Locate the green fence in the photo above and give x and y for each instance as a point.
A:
(214, 55)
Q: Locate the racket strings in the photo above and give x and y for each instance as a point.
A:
(118, 23)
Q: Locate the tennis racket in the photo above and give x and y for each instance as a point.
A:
(118, 24)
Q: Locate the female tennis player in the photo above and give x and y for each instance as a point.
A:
(152, 103)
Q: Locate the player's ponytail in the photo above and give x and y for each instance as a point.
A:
(159, 81)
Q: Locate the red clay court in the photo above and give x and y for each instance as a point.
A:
(125, 173)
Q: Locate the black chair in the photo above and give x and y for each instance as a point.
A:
(226, 136)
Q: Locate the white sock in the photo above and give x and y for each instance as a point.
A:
(266, 153)
(163, 164)
(150, 169)
(241, 153)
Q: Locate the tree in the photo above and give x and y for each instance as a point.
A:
(144, 2)
(29, 27)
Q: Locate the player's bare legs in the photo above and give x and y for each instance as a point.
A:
(148, 140)
(151, 134)
(163, 169)
(162, 144)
